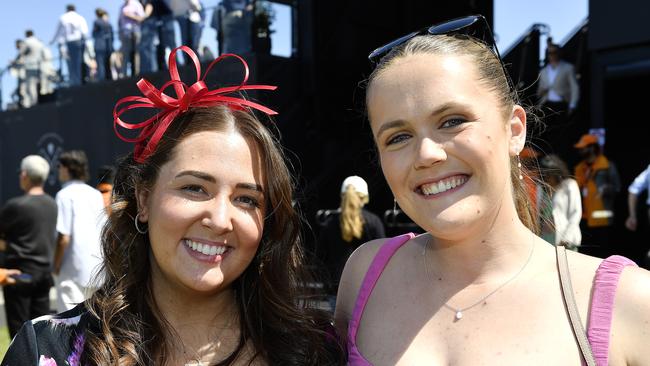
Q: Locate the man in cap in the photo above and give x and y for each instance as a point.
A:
(599, 182)
(28, 225)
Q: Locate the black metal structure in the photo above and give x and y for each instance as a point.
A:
(522, 61)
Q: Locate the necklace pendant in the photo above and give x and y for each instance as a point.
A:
(459, 315)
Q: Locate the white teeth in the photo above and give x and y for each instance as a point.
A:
(205, 248)
(442, 186)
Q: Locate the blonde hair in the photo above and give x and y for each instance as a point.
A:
(351, 219)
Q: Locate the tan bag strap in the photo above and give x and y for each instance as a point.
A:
(572, 308)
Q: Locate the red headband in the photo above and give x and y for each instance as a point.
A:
(197, 95)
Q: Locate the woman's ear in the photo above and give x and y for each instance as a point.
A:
(517, 125)
(142, 196)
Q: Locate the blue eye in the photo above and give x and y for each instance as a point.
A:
(397, 139)
(453, 122)
(249, 201)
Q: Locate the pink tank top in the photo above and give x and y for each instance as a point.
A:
(600, 312)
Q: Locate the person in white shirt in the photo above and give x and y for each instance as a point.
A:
(33, 56)
(566, 201)
(80, 218)
(72, 31)
(558, 86)
(558, 95)
(641, 183)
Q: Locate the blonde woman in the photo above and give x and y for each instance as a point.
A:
(344, 231)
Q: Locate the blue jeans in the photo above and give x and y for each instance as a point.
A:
(163, 29)
(101, 57)
(190, 32)
(75, 54)
(129, 46)
(167, 38)
(146, 46)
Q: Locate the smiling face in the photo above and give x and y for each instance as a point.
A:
(205, 212)
(444, 142)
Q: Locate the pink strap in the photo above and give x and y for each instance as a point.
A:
(377, 266)
(602, 305)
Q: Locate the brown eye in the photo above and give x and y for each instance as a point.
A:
(193, 188)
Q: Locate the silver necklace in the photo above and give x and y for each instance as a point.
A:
(458, 312)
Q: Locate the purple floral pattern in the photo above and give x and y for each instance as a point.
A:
(77, 349)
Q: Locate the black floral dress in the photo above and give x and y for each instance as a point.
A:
(51, 340)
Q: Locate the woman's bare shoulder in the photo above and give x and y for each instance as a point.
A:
(582, 268)
(357, 265)
(353, 274)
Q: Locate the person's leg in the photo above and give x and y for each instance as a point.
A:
(137, 38)
(146, 48)
(127, 50)
(23, 99)
(40, 296)
(168, 38)
(100, 58)
(196, 29)
(75, 52)
(184, 26)
(16, 306)
(32, 86)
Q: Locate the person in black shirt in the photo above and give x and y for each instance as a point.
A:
(345, 230)
(28, 225)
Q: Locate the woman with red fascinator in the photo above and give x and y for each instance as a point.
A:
(202, 262)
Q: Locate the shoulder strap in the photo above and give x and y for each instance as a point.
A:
(601, 311)
(571, 307)
(377, 266)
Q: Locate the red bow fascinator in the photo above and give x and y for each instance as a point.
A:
(196, 95)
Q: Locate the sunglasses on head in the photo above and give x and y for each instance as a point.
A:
(475, 26)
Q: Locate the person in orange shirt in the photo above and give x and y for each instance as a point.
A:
(599, 182)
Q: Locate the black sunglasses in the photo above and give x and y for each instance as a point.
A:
(475, 26)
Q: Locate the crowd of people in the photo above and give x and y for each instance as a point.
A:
(199, 259)
(146, 31)
(67, 260)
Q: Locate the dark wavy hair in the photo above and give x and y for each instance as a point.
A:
(274, 316)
